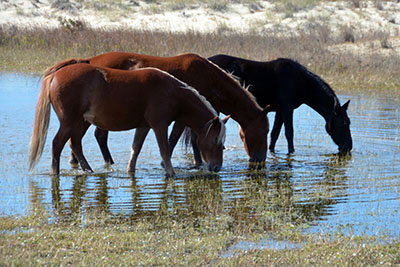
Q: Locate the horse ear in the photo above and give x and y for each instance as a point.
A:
(346, 105)
(336, 109)
(225, 120)
(266, 110)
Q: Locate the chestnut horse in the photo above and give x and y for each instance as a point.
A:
(117, 100)
(285, 85)
(223, 92)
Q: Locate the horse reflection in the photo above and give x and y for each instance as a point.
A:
(284, 191)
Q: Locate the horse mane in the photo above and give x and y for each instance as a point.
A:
(202, 98)
(63, 64)
(327, 89)
(235, 79)
(186, 138)
(222, 132)
(245, 87)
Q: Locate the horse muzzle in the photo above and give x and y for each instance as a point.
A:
(258, 158)
(345, 149)
(214, 167)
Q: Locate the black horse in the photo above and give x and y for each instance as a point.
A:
(285, 85)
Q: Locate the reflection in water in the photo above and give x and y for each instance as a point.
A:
(274, 189)
(312, 185)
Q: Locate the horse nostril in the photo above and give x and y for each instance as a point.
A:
(217, 168)
(214, 168)
(257, 159)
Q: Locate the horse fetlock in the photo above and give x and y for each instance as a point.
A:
(131, 167)
(130, 170)
(170, 173)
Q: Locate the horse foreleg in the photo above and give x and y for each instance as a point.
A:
(76, 145)
(276, 129)
(196, 151)
(288, 121)
(73, 161)
(138, 140)
(161, 133)
(101, 137)
(59, 140)
(176, 133)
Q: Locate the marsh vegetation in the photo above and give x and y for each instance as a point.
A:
(329, 210)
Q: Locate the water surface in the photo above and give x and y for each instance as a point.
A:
(356, 195)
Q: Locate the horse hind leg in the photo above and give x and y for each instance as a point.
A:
(59, 140)
(76, 145)
(101, 137)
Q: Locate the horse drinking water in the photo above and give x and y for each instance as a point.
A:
(285, 85)
(117, 100)
(223, 92)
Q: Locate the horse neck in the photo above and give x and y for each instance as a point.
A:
(232, 98)
(195, 111)
(222, 91)
(323, 99)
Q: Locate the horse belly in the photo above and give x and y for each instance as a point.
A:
(115, 120)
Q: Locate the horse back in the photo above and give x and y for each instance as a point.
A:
(71, 89)
(276, 83)
(113, 99)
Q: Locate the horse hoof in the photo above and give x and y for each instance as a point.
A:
(198, 165)
(170, 174)
(73, 164)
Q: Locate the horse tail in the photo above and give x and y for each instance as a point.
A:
(41, 126)
(62, 64)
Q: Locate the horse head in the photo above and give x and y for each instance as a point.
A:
(338, 127)
(211, 143)
(254, 137)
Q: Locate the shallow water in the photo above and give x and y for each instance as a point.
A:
(357, 195)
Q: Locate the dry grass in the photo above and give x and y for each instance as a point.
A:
(34, 49)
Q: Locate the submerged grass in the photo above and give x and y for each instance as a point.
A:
(206, 228)
(169, 240)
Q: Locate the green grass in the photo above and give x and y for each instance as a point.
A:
(169, 239)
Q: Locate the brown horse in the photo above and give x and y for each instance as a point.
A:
(117, 100)
(223, 92)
